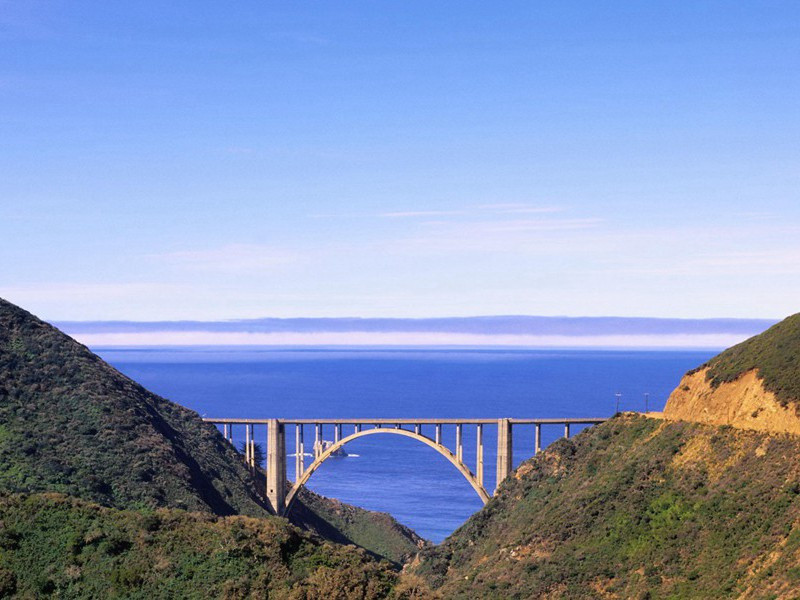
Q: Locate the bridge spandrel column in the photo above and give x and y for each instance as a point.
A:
(504, 450)
(276, 465)
(459, 443)
(299, 452)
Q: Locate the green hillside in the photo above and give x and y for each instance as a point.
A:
(70, 423)
(636, 508)
(60, 547)
(776, 355)
(336, 521)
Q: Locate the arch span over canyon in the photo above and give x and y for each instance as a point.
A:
(281, 496)
(441, 449)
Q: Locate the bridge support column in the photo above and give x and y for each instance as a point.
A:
(459, 444)
(566, 430)
(299, 451)
(439, 433)
(276, 465)
(538, 439)
(252, 450)
(504, 450)
(479, 455)
(247, 446)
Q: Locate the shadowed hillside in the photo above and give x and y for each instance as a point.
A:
(636, 508)
(71, 423)
(380, 533)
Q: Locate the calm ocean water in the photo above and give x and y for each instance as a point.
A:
(393, 474)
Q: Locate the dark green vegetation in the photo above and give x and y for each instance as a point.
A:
(55, 546)
(71, 423)
(776, 355)
(636, 508)
(380, 533)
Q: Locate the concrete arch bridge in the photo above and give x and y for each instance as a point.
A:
(281, 496)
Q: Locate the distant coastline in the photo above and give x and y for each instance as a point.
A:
(501, 331)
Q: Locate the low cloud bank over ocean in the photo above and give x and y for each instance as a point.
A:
(522, 331)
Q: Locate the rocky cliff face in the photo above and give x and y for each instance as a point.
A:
(743, 403)
(753, 385)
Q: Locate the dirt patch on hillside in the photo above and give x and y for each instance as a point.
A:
(742, 403)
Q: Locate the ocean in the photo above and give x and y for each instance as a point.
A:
(389, 473)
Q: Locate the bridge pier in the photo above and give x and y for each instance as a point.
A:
(276, 465)
(537, 447)
(247, 447)
(252, 450)
(479, 455)
(505, 459)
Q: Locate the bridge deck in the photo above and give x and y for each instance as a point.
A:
(548, 421)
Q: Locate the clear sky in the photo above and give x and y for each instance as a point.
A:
(213, 160)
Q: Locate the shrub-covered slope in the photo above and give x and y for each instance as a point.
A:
(636, 508)
(71, 423)
(774, 353)
(55, 546)
(377, 532)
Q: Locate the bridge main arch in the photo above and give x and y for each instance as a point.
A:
(462, 468)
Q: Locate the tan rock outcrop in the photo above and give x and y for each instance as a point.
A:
(743, 403)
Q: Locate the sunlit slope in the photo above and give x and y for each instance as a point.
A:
(753, 385)
(636, 508)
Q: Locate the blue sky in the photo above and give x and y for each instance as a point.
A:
(197, 160)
